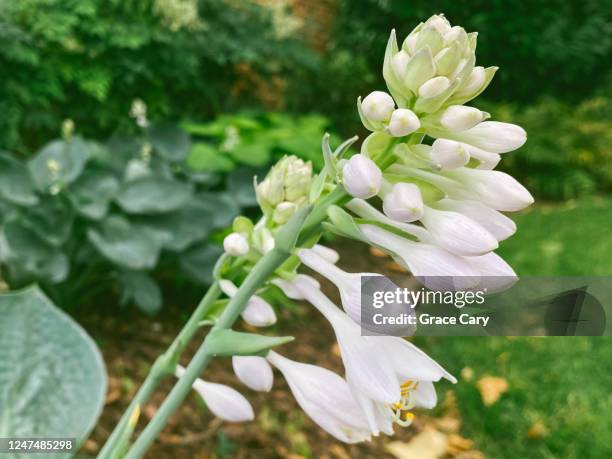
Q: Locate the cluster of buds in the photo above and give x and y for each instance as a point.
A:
(424, 190)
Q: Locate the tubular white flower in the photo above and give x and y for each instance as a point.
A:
(378, 106)
(399, 63)
(378, 369)
(325, 397)
(461, 118)
(439, 22)
(473, 83)
(257, 312)
(404, 203)
(235, 244)
(348, 284)
(497, 275)
(496, 223)
(457, 233)
(223, 401)
(254, 372)
(493, 136)
(289, 289)
(496, 189)
(487, 160)
(434, 87)
(448, 154)
(361, 177)
(403, 122)
(329, 254)
(434, 267)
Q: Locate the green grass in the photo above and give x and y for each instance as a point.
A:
(565, 382)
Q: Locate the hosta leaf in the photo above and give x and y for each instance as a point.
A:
(15, 184)
(252, 153)
(239, 184)
(142, 289)
(51, 220)
(222, 206)
(169, 141)
(52, 377)
(204, 157)
(69, 157)
(92, 192)
(153, 194)
(119, 241)
(198, 262)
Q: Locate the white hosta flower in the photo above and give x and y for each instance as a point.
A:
(325, 397)
(404, 203)
(289, 180)
(378, 106)
(329, 254)
(461, 118)
(283, 212)
(348, 284)
(236, 244)
(439, 22)
(433, 266)
(474, 82)
(254, 372)
(457, 233)
(289, 289)
(262, 238)
(361, 177)
(223, 401)
(496, 223)
(496, 274)
(496, 189)
(487, 160)
(448, 154)
(257, 312)
(492, 136)
(403, 122)
(379, 369)
(434, 87)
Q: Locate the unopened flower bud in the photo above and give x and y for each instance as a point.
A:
(67, 129)
(378, 106)
(460, 117)
(410, 42)
(403, 122)
(283, 212)
(439, 22)
(404, 203)
(399, 63)
(448, 154)
(474, 82)
(361, 177)
(434, 87)
(235, 244)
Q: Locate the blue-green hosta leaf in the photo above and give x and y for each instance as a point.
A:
(170, 141)
(51, 220)
(142, 289)
(15, 184)
(68, 156)
(52, 376)
(153, 194)
(92, 192)
(198, 262)
(239, 184)
(223, 207)
(124, 245)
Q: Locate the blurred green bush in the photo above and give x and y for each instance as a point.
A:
(569, 146)
(79, 216)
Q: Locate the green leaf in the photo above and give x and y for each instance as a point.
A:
(198, 262)
(51, 220)
(15, 184)
(225, 342)
(170, 141)
(239, 184)
(222, 206)
(153, 195)
(143, 290)
(252, 153)
(204, 157)
(52, 376)
(343, 223)
(70, 158)
(92, 192)
(119, 241)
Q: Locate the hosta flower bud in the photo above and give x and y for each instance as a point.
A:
(399, 63)
(473, 83)
(448, 154)
(403, 122)
(434, 87)
(493, 136)
(439, 22)
(289, 180)
(404, 203)
(410, 42)
(378, 106)
(235, 244)
(283, 212)
(460, 117)
(447, 59)
(254, 372)
(361, 177)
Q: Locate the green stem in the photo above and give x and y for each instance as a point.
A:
(161, 367)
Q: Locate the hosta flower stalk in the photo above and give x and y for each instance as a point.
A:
(422, 188)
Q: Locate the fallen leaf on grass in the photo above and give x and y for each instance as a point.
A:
(491, 389)
(428, 444)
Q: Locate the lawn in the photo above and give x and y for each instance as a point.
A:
(558, 401)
